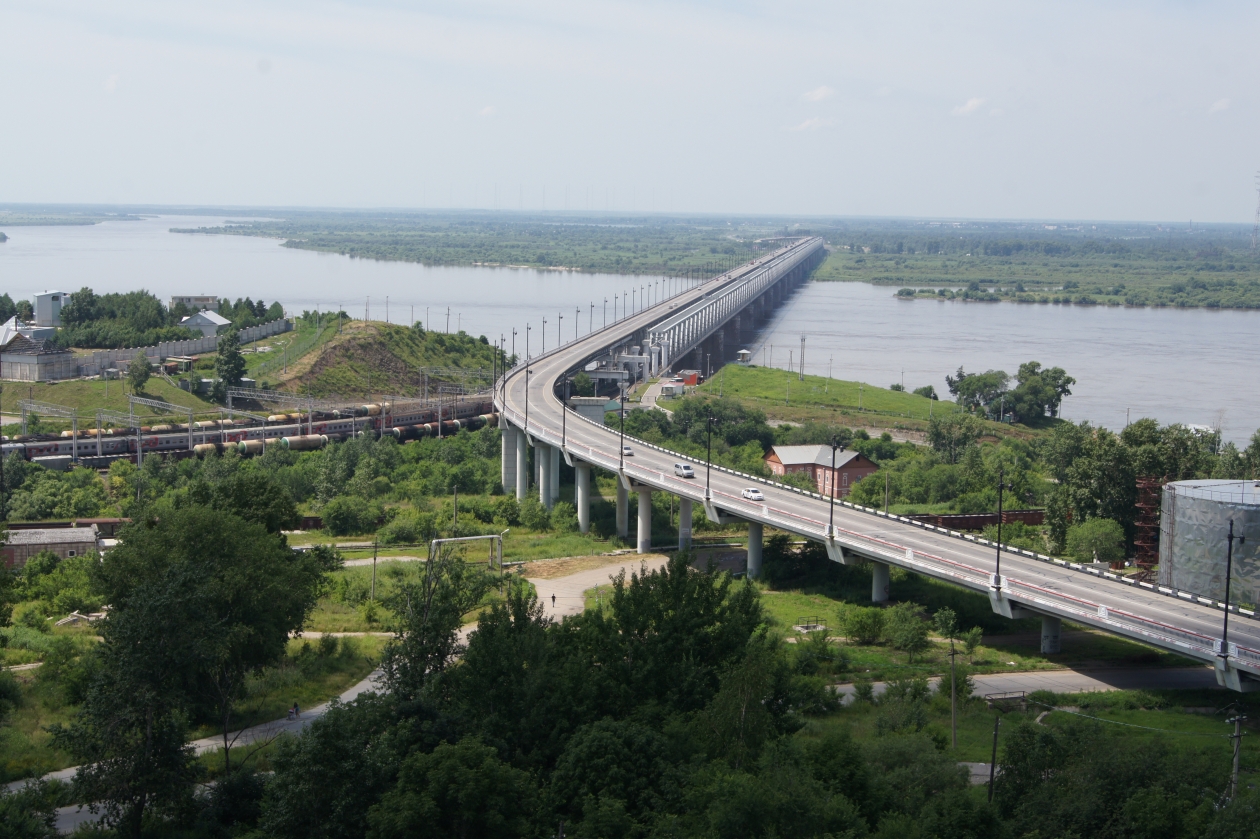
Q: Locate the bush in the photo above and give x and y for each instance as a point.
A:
(349, 515)
(564, 517)
(31, 615)
(862, 625)
(408, 527)
(1096, 540)
(534, 515)
(506, 511)
(905, 630)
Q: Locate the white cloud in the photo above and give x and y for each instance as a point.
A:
(111, 83)
(487, 111)
(818, 94)
(969, 107)
(812, 123)
(1219, 105)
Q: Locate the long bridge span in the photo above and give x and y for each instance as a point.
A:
(662, 337)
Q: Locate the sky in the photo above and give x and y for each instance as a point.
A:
(1092, 110)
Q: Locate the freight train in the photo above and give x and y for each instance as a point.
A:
(293, 431)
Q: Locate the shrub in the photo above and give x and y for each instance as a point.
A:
(564, 517)
(507, 511)
(905, 630)
(1100, 540)
(534, 515)
(349, 515)
(863, 625)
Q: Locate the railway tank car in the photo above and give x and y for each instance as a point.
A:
(251, 437)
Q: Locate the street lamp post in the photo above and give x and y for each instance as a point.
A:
(559, 329)
(606, 312)
(543, 332)
(1229, 569)
(831, 519)
(708, 454)
(1002, 486)
(621, 413)
(527, 329)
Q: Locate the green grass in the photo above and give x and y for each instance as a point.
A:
(299, 343)
(313, 672)
(88, 396)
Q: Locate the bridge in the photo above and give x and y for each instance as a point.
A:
(1025, 585)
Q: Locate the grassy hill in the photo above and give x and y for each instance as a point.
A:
(781, 396)
(375, 357)
(87, 396)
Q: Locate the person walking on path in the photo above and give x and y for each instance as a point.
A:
(553, 601)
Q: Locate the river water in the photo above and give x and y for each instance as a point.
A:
(1194, 366)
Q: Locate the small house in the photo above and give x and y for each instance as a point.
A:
(65, 542)
(207, 323)
(815, 461)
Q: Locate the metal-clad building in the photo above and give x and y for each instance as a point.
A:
(1194, 521)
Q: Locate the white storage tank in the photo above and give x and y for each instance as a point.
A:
(1194, 521)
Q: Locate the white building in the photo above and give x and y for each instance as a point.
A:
(48, 307)
(207, 323)
(196, 302)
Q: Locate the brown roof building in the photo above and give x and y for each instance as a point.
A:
(815, 461)
(31, 360)
(21, 545)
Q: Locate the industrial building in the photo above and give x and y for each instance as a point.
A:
(25, 359)
(48, 307)
(1194, 523)
(196, 302)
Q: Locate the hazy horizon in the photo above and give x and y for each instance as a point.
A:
(979, 111)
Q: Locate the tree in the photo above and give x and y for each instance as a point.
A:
(927, 392)
(905, 630)
(952, 434)
(1096, 540)
(583, 385)
(430, 613)
(138, 373)
(230, 364)
(237, 590)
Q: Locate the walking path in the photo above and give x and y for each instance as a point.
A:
(563, 596)
(1080, 681)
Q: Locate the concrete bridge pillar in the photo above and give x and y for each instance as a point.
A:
(555, 476)
(623, 510)
(507, 468)
(684, 524)
(719, 352)
(755, 534)
(522, 465)
(542, 454)
(879, 582)
(1051, 635)
(582, 494)
(645, 519)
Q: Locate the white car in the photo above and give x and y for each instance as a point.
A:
(753, 494)
(684, 470)
(626, 451)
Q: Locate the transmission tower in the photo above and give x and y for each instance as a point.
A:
(1255, 229)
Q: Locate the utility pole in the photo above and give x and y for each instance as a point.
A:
(1237, 738)
(802, 378)
(997, 722)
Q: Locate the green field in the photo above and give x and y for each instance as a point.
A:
(90, 395)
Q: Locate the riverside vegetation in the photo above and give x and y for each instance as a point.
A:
(676, 709)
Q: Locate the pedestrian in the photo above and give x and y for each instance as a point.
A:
(297, 712)
(553, 601)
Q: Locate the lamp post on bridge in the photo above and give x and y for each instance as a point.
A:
(606, 312)
(1229, 573)
(527, 329)
(559, 328)
(543, 334)
(1001, 487)
(621, 414)
(710, 421)
(831, 516)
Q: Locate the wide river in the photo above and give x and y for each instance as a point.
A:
(1193, 366)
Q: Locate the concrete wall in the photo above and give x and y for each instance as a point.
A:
(93, 364)
(38, 368)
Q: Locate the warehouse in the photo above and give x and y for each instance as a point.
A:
(65, 542)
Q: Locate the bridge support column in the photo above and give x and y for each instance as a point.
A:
(555, 476)
(542, 453)
(1051, 635)
(684, 524)
(623, 510)
(755, 534)
(507, 468)
(522, 464)
(645, 519)
(582, 494)
(879, 582)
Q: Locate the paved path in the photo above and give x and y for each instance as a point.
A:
(567, 591)
(1082, 681)
(652, 395)
(354, 563)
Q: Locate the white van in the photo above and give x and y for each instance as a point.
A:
(684, 470)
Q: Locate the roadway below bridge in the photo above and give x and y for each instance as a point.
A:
(1029, 585)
